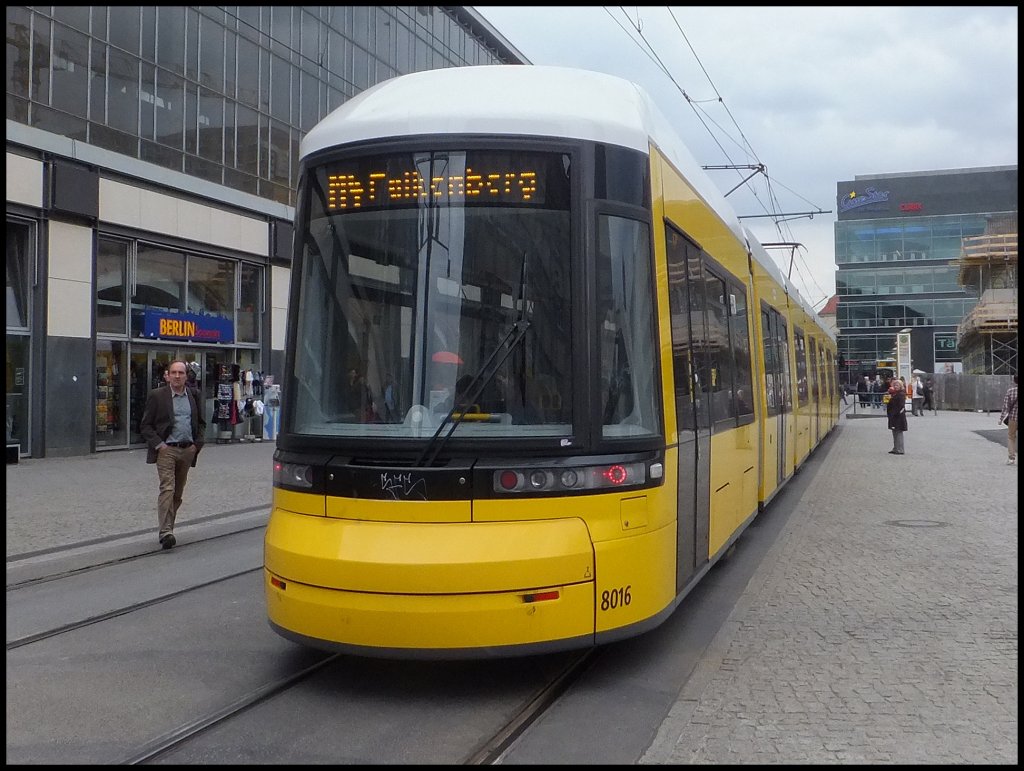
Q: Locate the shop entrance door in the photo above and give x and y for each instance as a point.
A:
(159, 360)
(139, 388)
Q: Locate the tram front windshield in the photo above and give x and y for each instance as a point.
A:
(419, 273)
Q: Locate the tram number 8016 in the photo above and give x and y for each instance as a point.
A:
(616, 597)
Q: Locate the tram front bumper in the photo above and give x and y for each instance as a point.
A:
(404, 586)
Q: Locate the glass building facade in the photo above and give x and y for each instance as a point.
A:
(152, 160)
(898, 239)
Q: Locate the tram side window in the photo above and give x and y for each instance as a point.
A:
(786, 383)
(812, 369)
(727, 348)
(718, 386)
(801, 366)
(627, 349)
(771, 365)
(739, 337)
(825, 389)
(322, 361)
(676, 249)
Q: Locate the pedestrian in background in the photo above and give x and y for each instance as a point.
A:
(1009, 417)
(929, 394)
(172, 425)
(878, 389)
(863, 390)
(896, 410)
(192, 381)
(916, 396)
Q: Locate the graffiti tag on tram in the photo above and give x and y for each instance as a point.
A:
(403, 486)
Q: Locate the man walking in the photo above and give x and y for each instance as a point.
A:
(172, 425)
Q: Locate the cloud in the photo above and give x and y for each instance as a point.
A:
(821, 94)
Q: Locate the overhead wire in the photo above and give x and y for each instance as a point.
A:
(773, 207)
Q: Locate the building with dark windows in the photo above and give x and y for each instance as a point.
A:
(900, 242)
(151, 171)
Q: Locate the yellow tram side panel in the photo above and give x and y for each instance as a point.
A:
(802, 415)
(824, 387)
(662, 306)
(684, 207)
(734, 482)
(767, 290)
(769, 477)
(831, 408)
(734, 453)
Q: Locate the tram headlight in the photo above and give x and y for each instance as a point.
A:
(539, 479)
(293, 475)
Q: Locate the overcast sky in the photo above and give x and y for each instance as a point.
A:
(818, 95)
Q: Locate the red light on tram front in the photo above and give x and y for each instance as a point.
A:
(508, 480)
(615, 474)
(541, 596)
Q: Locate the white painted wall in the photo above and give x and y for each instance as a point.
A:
(279, 280)
(24, 180)
(69, 283)
(123, 204)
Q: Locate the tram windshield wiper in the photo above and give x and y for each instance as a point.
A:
(511, 340)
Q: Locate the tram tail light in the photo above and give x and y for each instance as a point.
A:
(568, 479)
(541, 596)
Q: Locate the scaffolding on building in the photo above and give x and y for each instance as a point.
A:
(987, 335)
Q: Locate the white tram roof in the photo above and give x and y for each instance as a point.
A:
(529, 100)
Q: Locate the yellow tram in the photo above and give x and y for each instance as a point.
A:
(539, 378)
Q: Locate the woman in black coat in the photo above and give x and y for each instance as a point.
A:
(896, 410)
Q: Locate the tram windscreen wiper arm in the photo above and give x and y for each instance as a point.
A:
(509, 342)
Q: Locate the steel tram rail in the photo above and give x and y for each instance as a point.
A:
(488, 753)
(184, 733)
(56, 631)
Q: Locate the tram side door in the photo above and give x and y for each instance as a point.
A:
(690, 366)
(138, 389)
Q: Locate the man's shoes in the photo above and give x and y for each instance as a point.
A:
(167, 541)
(1009, 462)
(893, 452)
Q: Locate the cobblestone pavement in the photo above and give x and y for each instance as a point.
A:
(882, 626)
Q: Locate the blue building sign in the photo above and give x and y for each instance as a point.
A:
(869, 196)
(194, 327)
